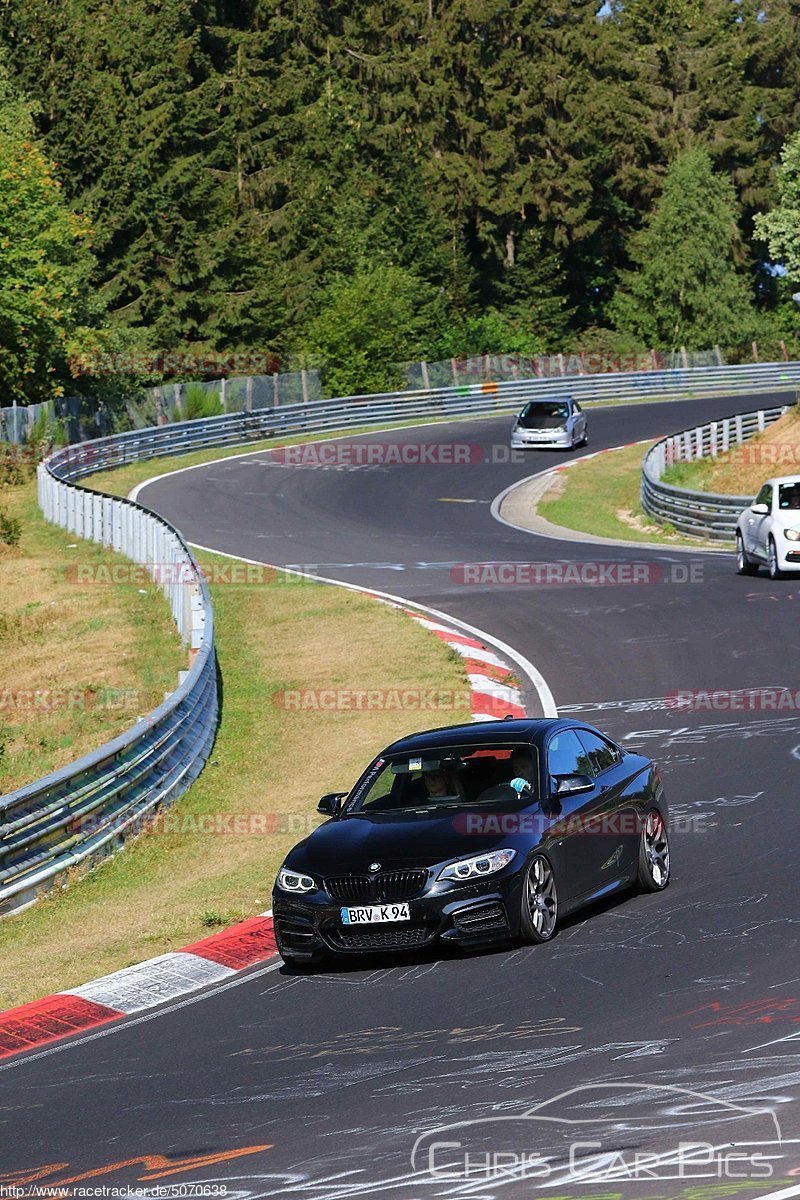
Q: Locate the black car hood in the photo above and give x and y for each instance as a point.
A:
(534, 422)
(395, 840)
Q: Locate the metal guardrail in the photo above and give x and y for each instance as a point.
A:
(699, 514)
(86, 810)
(234, 429)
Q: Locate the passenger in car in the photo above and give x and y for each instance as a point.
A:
(441, 785)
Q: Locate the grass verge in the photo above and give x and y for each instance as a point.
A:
(79, 662)
(601, 496)
(743, 469)
(295, 657)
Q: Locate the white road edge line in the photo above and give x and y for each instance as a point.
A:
(152, 1015)
(125, 1022)
(784, 1194)
(553, 537)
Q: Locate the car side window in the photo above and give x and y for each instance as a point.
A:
(765, 496)
(566, 755)
(600, 753)
(576, 407)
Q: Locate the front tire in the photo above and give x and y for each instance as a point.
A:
(744, 565)
(539, 915)
(654, 869)
(775, 572)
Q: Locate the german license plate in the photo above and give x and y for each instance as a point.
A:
(376, 914)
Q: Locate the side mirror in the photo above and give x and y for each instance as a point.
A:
(761, 509)
(572, 785)
(331, 803)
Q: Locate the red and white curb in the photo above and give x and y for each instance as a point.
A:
(491, 681)
(134, 989)
(218, 957)
(212, 960)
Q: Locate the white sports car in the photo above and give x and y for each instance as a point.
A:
(559, 423)
(768, 532)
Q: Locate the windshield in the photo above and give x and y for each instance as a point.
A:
(542, 414)
(789, 496)
(453, 775)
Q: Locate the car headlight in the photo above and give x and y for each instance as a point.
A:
(294, 881)
(792, 534)
(480, 865)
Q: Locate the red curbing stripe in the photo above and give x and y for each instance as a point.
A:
(240, 946)
(476, 666)
(48, 1020)
(458, 639)
(491, 706)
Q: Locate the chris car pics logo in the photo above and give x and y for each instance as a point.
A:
(609, 1134)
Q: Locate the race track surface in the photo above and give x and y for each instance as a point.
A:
(578, 1069)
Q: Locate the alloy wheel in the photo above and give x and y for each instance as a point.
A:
(541, 898)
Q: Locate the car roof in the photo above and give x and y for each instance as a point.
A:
(525, 731)
(778, 479)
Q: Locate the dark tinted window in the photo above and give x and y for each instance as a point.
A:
(600, 753)
(789, 495)
(546, 408)
(566, 755)
(765, 496)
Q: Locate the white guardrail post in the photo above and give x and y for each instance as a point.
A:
(699, 514)
(81, 813)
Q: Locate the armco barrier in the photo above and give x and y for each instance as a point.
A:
(478, 399)
(85, 811)
(700, 514)
(43, 826)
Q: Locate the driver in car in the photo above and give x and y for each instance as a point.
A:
(521, 781)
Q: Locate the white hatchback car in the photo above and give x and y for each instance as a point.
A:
(768, 532)
(560, 423)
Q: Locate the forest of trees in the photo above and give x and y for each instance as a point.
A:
(353, 184)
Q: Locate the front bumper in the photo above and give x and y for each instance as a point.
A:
(529, 440)
(789, 556)
(472, 917)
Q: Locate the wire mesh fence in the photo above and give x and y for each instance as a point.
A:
(73, 419)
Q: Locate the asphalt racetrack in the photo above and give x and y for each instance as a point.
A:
(651, 1050)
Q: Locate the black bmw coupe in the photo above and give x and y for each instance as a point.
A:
(473, 834)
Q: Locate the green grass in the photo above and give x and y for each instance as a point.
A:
(692, 475)
(79, 661)
(269, 765)
(601, 496)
